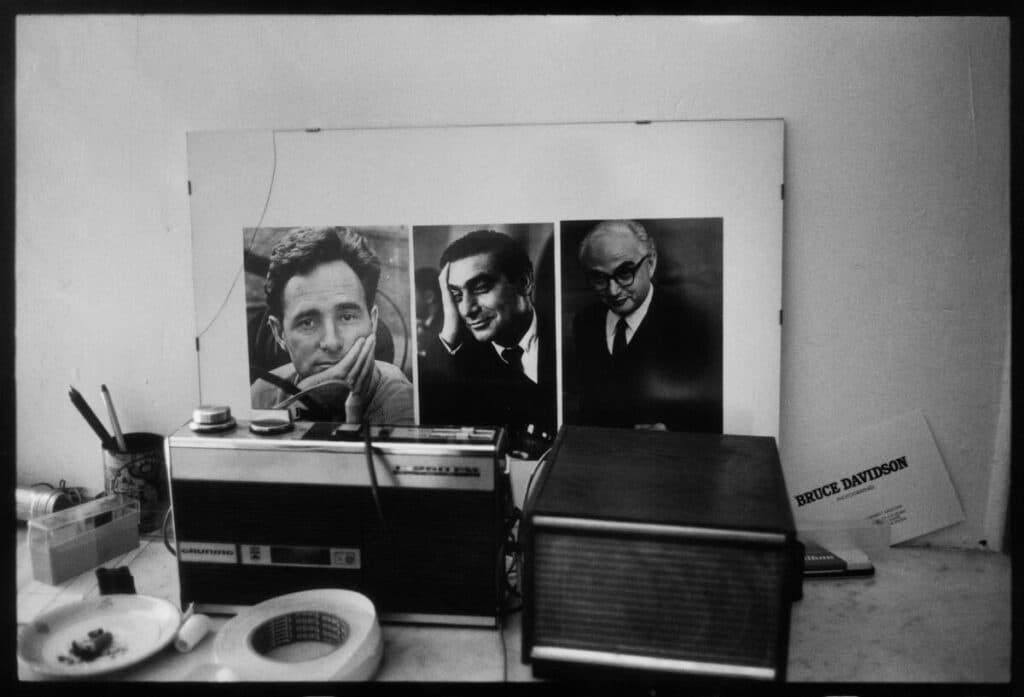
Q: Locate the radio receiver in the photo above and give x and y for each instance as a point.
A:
(659, 554)
(412, 517)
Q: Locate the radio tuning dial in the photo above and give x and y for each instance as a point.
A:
(211, 418)
(209, 415)
(270, 427)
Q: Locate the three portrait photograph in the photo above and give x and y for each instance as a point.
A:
(527, 325)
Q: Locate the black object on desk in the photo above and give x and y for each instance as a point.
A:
(116, 580)
(820, 562)
(661, 554)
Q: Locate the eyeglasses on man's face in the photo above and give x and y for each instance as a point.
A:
(624, 275)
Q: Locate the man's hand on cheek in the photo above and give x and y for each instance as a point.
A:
(338, 380)
(362, 370)
(450, 327)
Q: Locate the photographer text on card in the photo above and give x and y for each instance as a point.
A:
(890, 471)
(868, 475)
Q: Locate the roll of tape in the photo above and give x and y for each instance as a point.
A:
(309, 636)
(211, 672)
(192, 632)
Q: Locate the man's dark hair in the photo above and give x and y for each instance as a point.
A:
(509, 256)
(303, 249)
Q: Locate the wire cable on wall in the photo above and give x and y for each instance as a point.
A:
(405, 328)
(239, 273)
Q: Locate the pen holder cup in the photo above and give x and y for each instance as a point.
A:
(140, 473)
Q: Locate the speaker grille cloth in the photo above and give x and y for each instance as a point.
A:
(663, 598)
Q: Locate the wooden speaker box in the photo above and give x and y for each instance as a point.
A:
(659, 554)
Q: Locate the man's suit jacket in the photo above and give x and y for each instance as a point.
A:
(669, 373)
(475, 387)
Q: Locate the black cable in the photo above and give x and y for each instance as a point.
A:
(503, 611)
(512, 550)
(163, 528)
(288, 401)
(373, 476)
(511, 543)
(504, 654)
(275, 380)
(510, 589)
(513, 570)
(536, 468)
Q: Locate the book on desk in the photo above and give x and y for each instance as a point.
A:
(820, 561)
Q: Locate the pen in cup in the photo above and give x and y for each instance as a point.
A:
(118, 435)
(90, 418)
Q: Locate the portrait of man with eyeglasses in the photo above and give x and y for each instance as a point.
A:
(641, 302)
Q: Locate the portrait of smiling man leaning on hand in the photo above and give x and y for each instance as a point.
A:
(492, 361)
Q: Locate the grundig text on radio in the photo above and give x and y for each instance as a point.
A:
(207, 550)
(868, 475)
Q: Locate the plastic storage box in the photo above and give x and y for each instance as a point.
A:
(68, 542)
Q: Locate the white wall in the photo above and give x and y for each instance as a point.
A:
(896, 265)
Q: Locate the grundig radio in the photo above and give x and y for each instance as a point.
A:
(659, 554)
(410, 516)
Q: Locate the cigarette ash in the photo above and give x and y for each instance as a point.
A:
(96, 644)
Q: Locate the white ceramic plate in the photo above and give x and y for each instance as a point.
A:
(140, 626)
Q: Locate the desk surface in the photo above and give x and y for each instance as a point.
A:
(927, 615)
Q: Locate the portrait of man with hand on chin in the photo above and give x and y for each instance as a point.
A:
(492, 361)
(320, 289)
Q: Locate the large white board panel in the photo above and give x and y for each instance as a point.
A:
(730, 170)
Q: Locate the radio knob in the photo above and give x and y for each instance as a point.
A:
(211, 415)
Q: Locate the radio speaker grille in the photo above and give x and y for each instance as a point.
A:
(666, 598)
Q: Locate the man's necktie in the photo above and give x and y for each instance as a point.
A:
(619, 344)
(513, 355)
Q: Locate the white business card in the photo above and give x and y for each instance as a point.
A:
(891, 471)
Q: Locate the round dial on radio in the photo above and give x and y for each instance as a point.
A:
(269, 427)
(208, 415)
(211, 418)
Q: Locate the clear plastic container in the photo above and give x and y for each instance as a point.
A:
(66, 543)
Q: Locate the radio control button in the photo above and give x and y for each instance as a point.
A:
(211, 415)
